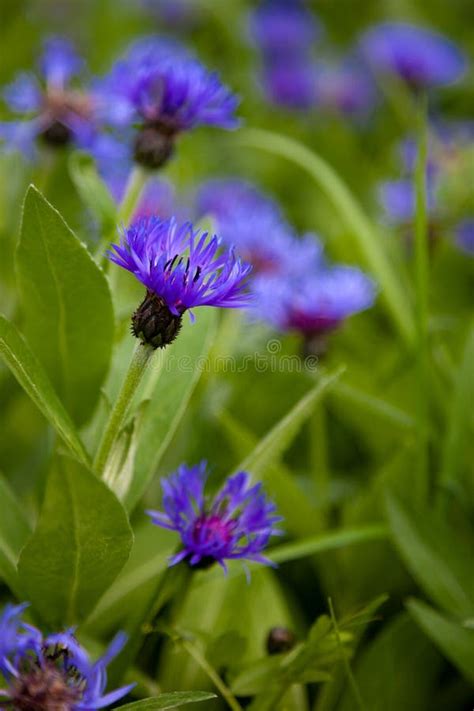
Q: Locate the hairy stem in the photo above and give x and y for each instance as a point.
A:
(140, 359)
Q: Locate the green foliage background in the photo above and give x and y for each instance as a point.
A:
(369, 457)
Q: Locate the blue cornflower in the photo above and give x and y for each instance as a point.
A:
(252, 221)
(398, 199)
(162, 90)
(222, 197)
(181, 268)
(290, 82)
(283, 26)
(236, 523)
(317, 302)
(54, 671)
(418, 56)
(50, 108)
(345, 88)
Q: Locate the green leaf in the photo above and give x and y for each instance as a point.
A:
(275, 442)
(460, 413)
(330, 540)
(30, 374)
(291, 500)
(172, 700)
(438, 557)
(396, 671)
(180, 371)
(368, 240)
(92, 190)
(455, 641)
(82, 541)
(152, 549)
(67, 305)
(14, 532)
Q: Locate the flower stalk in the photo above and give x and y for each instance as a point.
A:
(140, 359)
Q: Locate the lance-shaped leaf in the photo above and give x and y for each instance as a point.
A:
(172, 700)
(82, 541)
(182, 366)
(69, 320)
(31, 375)
(14, 531)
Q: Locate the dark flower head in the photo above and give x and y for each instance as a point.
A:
(344, 88)
(283, 26)
(181, 268)
(159, 88)
(418, 56)
(51, 109)
(236, 523)
(317, 303)
(464, 235)
(52, 672)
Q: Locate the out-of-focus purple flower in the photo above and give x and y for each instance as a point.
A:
(290, 82)
(159, 88)
(398, 200)
(464, 235)
(174, 14)
(316, 303)
(346, 88)
(418, 56)
(50, 108)
(237, 523)
(283, 26)
(181, 269)
(158, 198)
(222, 197)
(53, 671)
(253, 223)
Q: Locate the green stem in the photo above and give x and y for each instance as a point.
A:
(140, 360)
(350, 676)
(319, 458)
(133, 191)
(135, 184)
(421, 289)
(201, 660)
(172, 585)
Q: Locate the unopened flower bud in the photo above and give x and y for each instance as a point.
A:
(280, 639)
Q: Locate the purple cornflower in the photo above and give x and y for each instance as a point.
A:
(54, 671)
(50, 108)
(344, 88)
(176, 15)
(181, 269)
(418, 56)
(290, 82)
(236, 523)
(283, 26)
(264, 239)
(161, 89)
(397, 198)
(252, 221)
(222, 197)
(464, 235)
(316, 303)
